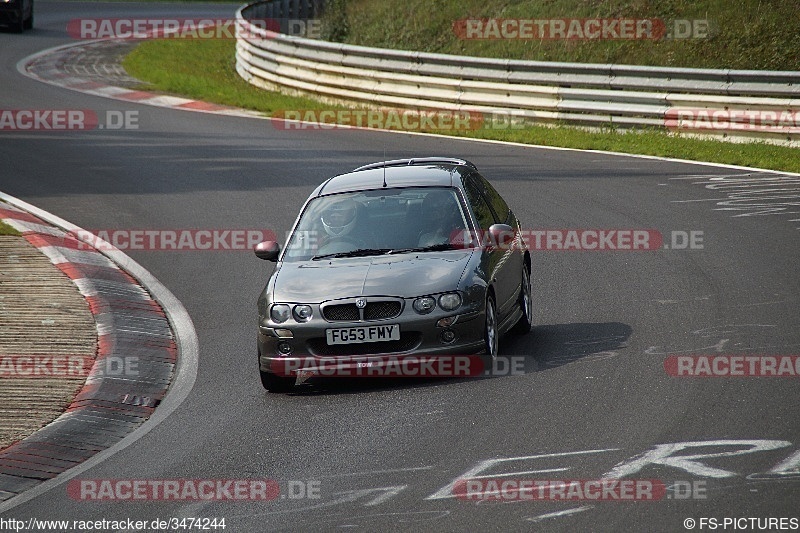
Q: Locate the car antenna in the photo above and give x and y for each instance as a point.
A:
(384, 165)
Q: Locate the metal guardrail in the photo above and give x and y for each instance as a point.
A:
(755, 105)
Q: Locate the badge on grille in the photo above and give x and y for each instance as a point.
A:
(361, 303)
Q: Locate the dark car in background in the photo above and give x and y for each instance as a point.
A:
(16, 14)
(412, 256)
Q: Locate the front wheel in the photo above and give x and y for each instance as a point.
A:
(273, 382)
(525, 322)
(490, 337)
(19, 25)
(28, 24)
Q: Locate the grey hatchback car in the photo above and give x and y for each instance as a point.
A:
(394, 259)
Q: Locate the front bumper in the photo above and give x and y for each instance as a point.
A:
(420, 337)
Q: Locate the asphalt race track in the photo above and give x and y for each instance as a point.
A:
(594, 399)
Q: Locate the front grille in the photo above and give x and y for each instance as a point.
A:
(379, 310)
(408, 341)
(340, 313)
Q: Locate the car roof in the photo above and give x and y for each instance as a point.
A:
(425, 172)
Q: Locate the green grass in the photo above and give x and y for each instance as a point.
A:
(658, 143)
(745, 34)
(5, 229)
(204, 70)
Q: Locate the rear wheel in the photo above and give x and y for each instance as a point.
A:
(28, 24)
(525, 322)
(19, 25)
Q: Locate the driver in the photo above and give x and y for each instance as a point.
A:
(340, 221)
(340, 218)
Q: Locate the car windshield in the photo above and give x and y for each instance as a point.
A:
(378, 222)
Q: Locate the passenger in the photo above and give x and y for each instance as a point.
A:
(442, 219)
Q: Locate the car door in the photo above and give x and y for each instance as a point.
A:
(512, 258)
(503, 266)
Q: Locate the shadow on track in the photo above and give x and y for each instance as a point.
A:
(561, 344)
(545, 348)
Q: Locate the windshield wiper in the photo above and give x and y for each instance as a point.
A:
(363, 252)
(360, 252)
(432, 248)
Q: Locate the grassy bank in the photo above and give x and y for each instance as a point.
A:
(204, 70)
(742, 34)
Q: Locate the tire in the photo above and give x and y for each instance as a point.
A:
(19, 25)
(525, 322)
(490, 335)
(28, 24)
(274, 383)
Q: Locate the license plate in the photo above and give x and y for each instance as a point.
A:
(385, 332)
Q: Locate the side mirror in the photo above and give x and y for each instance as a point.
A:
(501, 236)
(267, 250)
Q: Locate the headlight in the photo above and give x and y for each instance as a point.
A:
(450, 301)
(302, 313)
(424, 305)
(280, 313)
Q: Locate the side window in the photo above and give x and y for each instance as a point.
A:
(499, 206)
(479, 206)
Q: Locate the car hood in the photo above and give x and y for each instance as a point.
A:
(404, 276)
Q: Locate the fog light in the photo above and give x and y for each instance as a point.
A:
(448, 336)
(284, 348)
